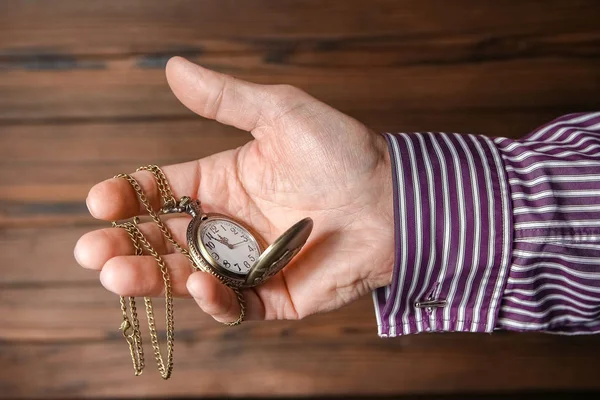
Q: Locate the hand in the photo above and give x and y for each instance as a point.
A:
(238, 243)
(306, 160)
(225, 241)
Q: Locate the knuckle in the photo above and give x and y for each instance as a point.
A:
(285, 99)
(213, 105)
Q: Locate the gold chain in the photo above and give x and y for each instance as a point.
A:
(131, 328)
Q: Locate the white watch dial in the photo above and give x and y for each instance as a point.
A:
(231, 246)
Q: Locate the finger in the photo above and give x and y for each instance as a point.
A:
(115, 199)
(141, 275)
(220, 301)
(226, 99)
(95, 248)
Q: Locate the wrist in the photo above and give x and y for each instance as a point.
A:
(382, 218)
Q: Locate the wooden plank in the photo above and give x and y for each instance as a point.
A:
(73, 338)
(69, 314)
(287, 368)
(110, 27)
(325, 357)
(136, 142)
(42, 256)
(126, 91)
(325, 52)
(46, 170)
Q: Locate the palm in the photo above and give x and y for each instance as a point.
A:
(308, 160)
(278, 182)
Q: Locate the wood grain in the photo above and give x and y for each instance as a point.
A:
(125, 91)
(66, 316)
(33, 257)
(83, 96)
(110, 27)
(38, 186)
(78, 351)
(285, 367)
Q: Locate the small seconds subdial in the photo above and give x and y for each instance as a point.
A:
(230, 245)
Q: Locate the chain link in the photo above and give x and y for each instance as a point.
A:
(130, 327)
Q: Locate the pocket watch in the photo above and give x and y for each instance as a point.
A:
(217, 244)
(232, 252)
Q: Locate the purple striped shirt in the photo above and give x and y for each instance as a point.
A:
(496, 233)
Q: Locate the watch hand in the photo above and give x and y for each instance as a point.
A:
(225, 241)
(238, 243)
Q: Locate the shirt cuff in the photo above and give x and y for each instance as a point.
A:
(453, 235)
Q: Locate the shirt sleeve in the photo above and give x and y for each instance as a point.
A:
(496, 233)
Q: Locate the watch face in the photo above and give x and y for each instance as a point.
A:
(230, 245)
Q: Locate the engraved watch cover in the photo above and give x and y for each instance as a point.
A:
(280, 253)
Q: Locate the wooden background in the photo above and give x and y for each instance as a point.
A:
(83, 96)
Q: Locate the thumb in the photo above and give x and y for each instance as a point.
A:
(221, 97)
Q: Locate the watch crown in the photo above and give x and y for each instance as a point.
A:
(192, 207)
